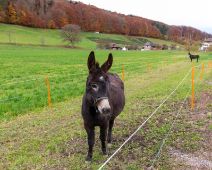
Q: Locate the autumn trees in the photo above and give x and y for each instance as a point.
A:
(2, 14)
(11, 13)
(58, 13)
(25, 12)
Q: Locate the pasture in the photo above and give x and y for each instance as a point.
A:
(33, 136)
(23, 86)
(14, 34)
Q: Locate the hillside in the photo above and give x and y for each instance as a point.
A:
(20, 35)
(57, 13)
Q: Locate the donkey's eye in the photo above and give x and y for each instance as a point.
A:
(95, 87)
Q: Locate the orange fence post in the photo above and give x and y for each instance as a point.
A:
(123, 72)
(49, 92)
(192, 89)
(209, 64)
(202, 72)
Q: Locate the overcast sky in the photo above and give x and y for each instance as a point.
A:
(195, 13)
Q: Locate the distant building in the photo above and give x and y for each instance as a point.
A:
(151, 46)
(115, 46)
(147, 46)
(206, 44)
(124, 49)
(208, 40)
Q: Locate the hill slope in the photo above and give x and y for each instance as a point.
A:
(35, 36)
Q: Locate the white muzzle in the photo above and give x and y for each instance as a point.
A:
(104, 106)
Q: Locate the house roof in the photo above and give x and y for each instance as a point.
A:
(208, 40)
(114, 45)
(148, 44)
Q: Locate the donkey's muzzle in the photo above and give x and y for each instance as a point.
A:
(106, 110)
(104, 106)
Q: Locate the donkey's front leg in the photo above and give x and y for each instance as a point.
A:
(91, 139)
(103, 138)
(109, 136)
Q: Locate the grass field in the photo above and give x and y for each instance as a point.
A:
(23, 86)
(35, 36)
(33, 136)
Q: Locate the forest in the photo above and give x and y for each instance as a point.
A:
(55, 14)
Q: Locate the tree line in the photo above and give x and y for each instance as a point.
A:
(58, 13)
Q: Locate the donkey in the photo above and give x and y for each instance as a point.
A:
(193, 56)
(102, 102)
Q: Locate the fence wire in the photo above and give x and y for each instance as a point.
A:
(157, 156)
(145, 121)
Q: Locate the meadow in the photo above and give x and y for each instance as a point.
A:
(46, 37)
(25, 68)
(33, 136)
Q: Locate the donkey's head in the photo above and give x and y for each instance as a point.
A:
(97, 85)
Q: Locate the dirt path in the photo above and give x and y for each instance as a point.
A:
(191, 161)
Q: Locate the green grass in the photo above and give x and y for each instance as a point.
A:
(25, 35)
(159, 41)
(35, 36)
(55, 139)
(25, 68)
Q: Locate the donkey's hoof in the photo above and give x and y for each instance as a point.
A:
(109, 145)
(88, 159)
(105, 155)
(104, 152)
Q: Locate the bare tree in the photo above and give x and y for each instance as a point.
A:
(71, 33)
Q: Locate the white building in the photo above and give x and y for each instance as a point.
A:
(147, 46)
(124, 49)
(206, 44)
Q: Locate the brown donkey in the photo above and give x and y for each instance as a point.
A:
(102, 102)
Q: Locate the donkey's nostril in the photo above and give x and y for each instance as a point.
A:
(106, 110)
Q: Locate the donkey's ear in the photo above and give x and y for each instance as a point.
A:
(91, 60)
(107, 65)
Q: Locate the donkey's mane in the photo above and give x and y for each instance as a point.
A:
(95, 68)
(97, 65)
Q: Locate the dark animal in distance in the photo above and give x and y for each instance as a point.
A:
(102, 102)
(193, 56)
